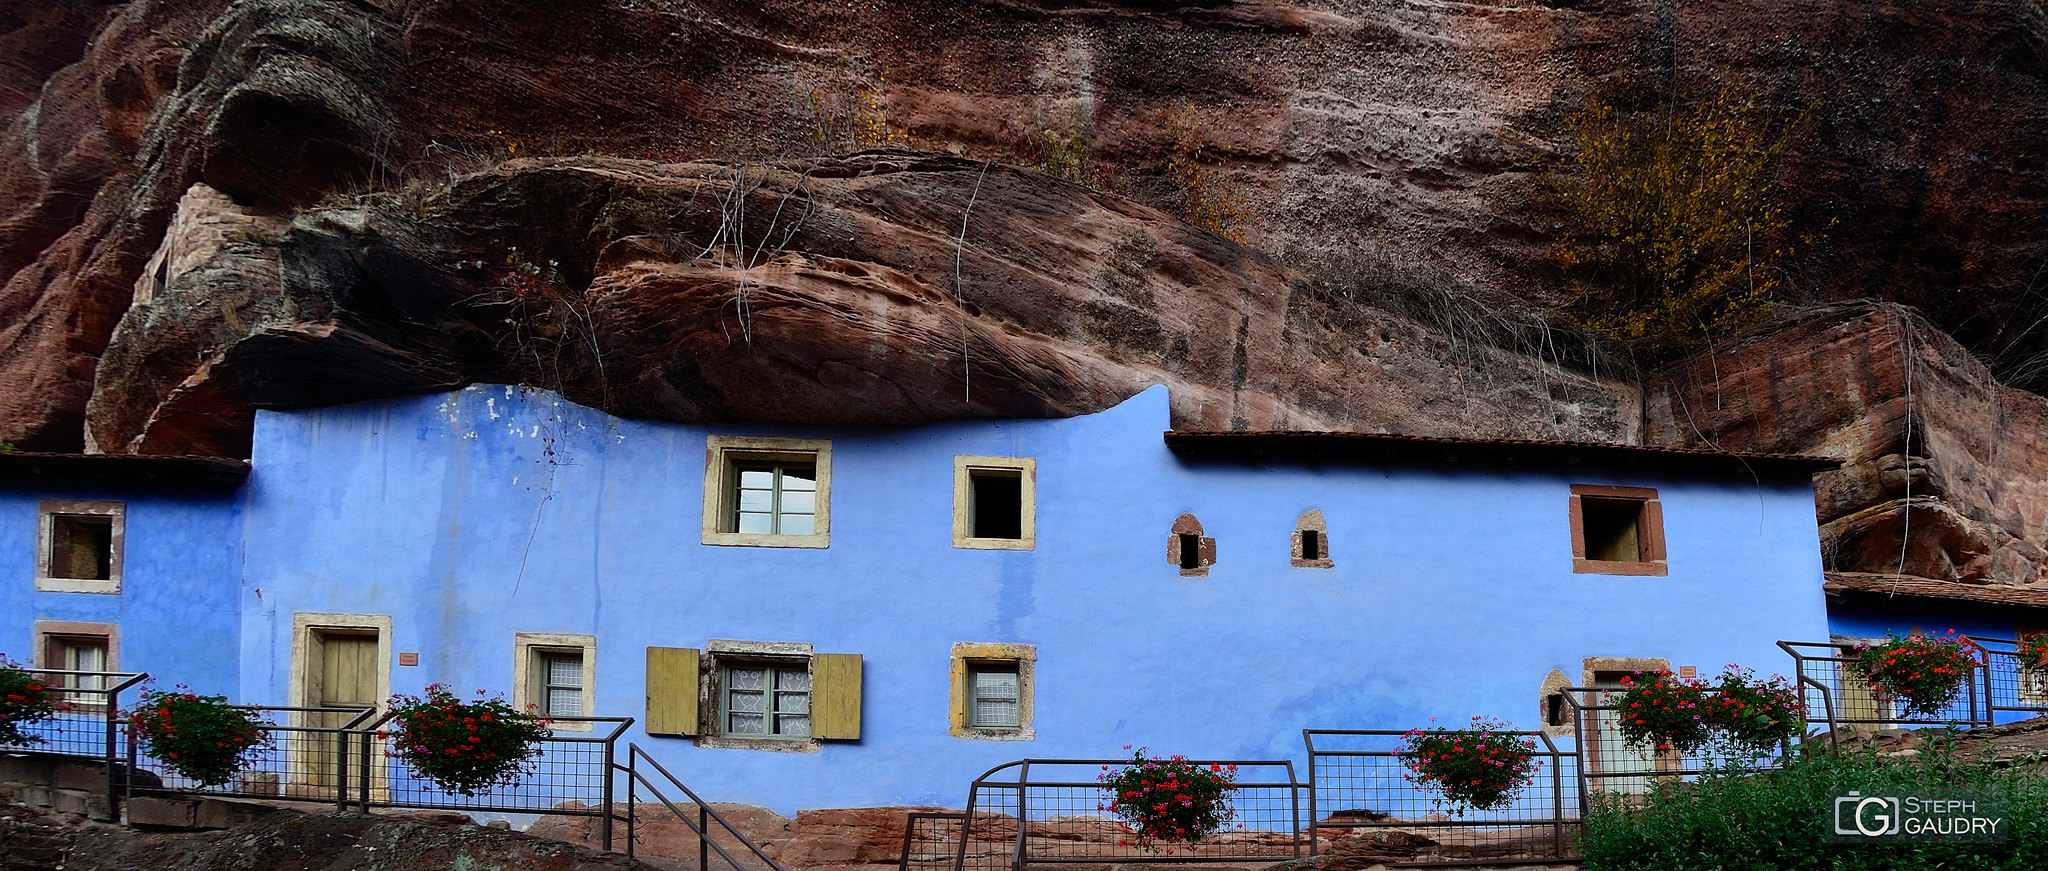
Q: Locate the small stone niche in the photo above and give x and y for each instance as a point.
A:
(1310, 547)
(1188, 550)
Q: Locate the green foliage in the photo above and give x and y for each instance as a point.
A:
(463, 747)
(202, 738)
(1921, 673)
(1676, 231)
(24, 699)
(1169, 800)
(1481, 766)
(1754, 715)
(1739, 818)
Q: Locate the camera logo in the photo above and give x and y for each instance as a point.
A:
(1869, 816)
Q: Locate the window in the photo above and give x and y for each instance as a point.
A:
(755, 695)
(767, 492)
(1187, 549)
(1311, 548)
(992, 691)
(1617, 530)
(763, 699)
(995, 503)
(553, 676)
(80, 547)
(78, 647)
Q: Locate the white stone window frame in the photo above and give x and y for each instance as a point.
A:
(47, 513)
(1026, 469)
(721, 654)
(527, 650)
(723, 453)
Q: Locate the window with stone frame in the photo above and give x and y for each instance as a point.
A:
(80, 546)
(1617, 530)
(767, 492)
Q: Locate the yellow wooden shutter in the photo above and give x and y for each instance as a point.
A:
(671, 691)
(835, 696)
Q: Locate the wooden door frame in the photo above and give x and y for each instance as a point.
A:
(304, 627)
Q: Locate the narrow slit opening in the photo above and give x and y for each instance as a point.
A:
(1311, 544)
(1190, 551)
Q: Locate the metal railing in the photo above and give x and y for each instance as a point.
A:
(1360, 787)
(644, 773)
(1834, 694)
(1609, 763)
(89, 725)
(2012, 685)
(307, 758)
(572, 776)
(931, 840)
(1065, 818)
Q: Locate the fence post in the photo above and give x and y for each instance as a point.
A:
(632, 797)
(609, 775)
(703, 837)
(1309, 742)
(112, 741)
(1294, 805)
(1023, 814)
(966, 825)
(341, 769)
(1557, 800)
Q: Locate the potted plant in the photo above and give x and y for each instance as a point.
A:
(463, 747)
(1169, 800)
(24, 699)
(1754, 715)
(1482, 766)
(1920, 673)
(2033, 651)
(1661, 711)
(201, 738)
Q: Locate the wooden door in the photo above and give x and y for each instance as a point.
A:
(343, 672)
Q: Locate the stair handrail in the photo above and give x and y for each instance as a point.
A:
(705, 814)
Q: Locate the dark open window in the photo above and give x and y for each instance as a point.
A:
(1190, 551)
(1311, 544)
(82, 546)
(1613, 529)
(997, 502)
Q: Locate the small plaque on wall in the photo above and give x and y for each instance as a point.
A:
(414, 659)
(1688, 671)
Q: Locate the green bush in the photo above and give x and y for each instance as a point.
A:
(1746, 819)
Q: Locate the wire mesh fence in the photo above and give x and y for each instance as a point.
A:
(1364, 804)
(1043, 811)
(87, 723)
(306, 755)
(1609, 763)
(1836, 694)
(2014, 687)
(571, 776)
(932, 840)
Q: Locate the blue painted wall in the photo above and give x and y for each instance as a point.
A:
(180, 581)
(470, 516)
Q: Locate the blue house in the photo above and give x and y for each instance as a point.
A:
(123, 563)
(804, 617)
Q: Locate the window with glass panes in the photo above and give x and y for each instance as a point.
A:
(81, 653)
(776, 498)
(561, 683)
(768, 700)
(995, 695)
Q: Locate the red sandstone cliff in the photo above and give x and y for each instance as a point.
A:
(207, 207)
